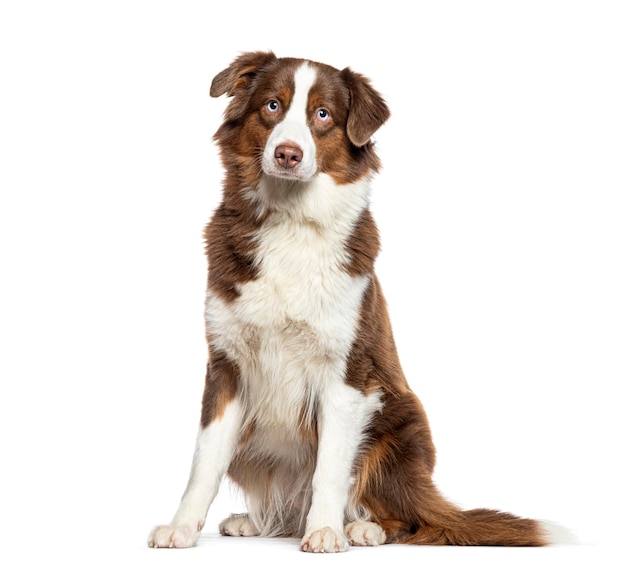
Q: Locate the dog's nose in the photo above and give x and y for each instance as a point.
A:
(288, 155)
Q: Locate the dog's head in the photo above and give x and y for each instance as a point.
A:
(293, 119)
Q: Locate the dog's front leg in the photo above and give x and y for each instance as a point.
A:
(343, 415)
(215, 444)
(214, 448)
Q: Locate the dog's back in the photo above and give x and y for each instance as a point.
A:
(306, 406)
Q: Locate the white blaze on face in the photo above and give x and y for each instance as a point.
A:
(293, 130)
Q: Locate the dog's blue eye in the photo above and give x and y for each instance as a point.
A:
(273, 106)
(323, 114)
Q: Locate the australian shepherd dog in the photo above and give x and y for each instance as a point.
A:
(305, 406)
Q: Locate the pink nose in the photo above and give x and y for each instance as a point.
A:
(288, 155)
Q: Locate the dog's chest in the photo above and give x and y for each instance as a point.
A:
(291, 329)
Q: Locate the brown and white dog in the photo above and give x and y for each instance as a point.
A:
(306, 407)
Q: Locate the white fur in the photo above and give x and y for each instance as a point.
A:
(294, 129)
(558, 535)
(290, 332)
(238, 525)
(291, 329)
(303, 301)
(362, 533)
(214, 449)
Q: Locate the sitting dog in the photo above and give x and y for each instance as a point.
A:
(305, 406)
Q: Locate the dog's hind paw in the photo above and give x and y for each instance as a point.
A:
(362, 533)
(238, 525)
(173, 537)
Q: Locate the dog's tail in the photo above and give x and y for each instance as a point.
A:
(439, 522)
(479, 528)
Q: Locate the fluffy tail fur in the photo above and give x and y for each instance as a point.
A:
(479, 528)
(441, 523)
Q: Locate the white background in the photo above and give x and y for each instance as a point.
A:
(501, 209)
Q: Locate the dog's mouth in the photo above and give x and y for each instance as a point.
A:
(288, 175)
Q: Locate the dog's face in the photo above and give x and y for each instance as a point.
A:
(294, 119)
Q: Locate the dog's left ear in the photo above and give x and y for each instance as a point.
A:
(238, 80)
(368, 111)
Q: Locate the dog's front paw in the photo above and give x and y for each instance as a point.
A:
(362, 533)
(173, 537)
(324, 540)
(238, 525)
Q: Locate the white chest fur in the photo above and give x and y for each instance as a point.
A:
(291, 329)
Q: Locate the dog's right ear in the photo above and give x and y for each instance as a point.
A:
(238, 79)
(368, 110)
